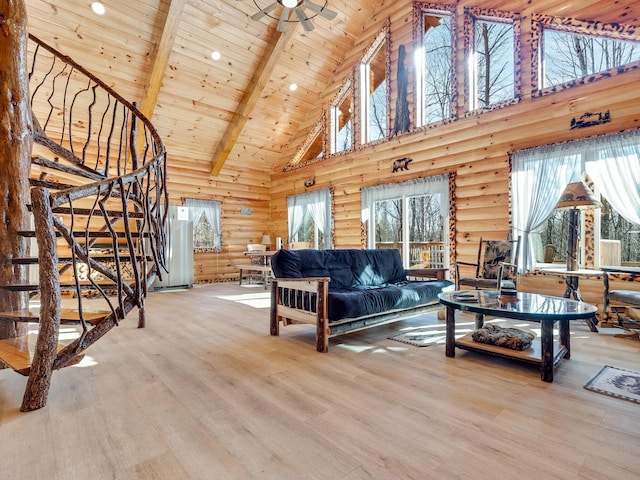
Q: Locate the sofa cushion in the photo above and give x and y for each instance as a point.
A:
(347, 268)
(353, 303)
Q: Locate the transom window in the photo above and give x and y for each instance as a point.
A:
(491, 63)
(373, 88)
(568, 56)
(342, 120)
(435, 75)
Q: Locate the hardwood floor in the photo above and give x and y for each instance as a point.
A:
(205, 393)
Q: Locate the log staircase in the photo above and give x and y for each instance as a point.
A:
(98, 210)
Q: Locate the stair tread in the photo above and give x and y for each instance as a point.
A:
(67, 315)
(100, 234)
(18, 352)
(25, 287)
(98, 258)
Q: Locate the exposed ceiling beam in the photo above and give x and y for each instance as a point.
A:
(251, 96)
(161, 60)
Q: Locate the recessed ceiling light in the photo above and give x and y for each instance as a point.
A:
(98, 8)
(293, 87)
(215, 55)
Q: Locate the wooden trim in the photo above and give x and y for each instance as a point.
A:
(258, 82)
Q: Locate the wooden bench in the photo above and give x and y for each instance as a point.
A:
(264, 270)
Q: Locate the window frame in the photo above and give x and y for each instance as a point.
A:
(304, 200)
(471, 17)
(540, 22)
(343, 93)
(381, 40)
(422, 9)
(404, 191)
(216, 206)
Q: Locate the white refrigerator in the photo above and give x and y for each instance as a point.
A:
(179, 250)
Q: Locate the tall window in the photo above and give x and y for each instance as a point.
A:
(206, 223)
(434, 68)
(491, 62)
(373, 88)
(612, 163)
(342, 120)
(411, 217)
(310, 219)
(568, 56)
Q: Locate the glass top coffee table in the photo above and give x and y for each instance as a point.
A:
(531, 307)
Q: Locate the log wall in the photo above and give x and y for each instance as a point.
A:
(475, 148)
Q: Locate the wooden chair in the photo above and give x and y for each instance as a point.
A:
(495, 268)
(625, 304)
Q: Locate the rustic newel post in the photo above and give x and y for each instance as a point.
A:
(15, 154)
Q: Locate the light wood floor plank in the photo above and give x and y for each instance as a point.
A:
(205, 392)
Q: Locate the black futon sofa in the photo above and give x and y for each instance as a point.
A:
(341, 291)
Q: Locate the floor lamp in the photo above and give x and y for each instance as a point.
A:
(576, 196)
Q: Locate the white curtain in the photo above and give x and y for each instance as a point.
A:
(540, 175)
(436, 185)
(539, 178)
(615, 171)
(319, 205)
(211, 210)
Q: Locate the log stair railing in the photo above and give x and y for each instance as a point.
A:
(99, 213)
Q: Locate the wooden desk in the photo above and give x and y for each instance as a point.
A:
(264, 270)
(437, 273)
(260, 257)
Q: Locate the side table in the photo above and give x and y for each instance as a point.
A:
(571, 280)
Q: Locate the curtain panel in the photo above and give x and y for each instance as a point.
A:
(211, 210)
(540, 175)
(318, 203)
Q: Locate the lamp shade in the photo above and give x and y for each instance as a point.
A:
(578, 195)
(266, 239)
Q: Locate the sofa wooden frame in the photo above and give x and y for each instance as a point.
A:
(305, 300)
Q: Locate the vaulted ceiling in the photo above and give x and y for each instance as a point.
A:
(158, 53)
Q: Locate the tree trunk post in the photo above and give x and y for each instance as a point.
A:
(16, 139)
(35, 395)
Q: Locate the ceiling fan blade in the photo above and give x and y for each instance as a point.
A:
(306, 23)
(322, 11)
(264, 11)
(282, 23)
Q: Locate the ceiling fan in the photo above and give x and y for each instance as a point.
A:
(298, 7)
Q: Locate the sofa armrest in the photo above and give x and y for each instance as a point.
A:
(301, 300)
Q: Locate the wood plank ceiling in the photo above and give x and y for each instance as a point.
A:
(158, 53)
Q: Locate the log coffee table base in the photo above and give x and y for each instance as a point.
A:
(528, 307)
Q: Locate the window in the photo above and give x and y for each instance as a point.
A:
(492, 54)
(569, 52)
(313, 147)
(410, 216)
(435, 76)
(373, 88)
(612, 163)
(206, 223)
(342, 121)
(310, 220)
(568, 56)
